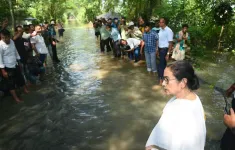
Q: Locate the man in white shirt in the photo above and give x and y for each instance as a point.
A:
(136, 46)
(8, 62)
(133, 32)
(39, 45)
(165, 46)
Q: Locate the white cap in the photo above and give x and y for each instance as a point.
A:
(52, 22)
(130, 23)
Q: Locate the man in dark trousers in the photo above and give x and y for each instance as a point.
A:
(9, 59)
(53, 40)
(164, 47)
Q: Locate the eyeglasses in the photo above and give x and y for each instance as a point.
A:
(167, 80)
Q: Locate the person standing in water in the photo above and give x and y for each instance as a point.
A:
(9, 58)
(53, 41)
(116, 37)
(60, 29)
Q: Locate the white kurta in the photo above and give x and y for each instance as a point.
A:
(39, 44)
(8, 55)
(181, 126)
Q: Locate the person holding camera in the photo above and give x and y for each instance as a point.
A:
(227, 142)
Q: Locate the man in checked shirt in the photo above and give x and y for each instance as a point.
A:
(150, 39)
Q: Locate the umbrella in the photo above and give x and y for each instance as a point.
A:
(30, 18)
(109, 15)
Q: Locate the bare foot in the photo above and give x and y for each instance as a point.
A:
(18, 100)
(26, 91)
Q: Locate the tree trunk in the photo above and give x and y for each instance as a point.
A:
(220, 37)
(12, 13)
(152, 4)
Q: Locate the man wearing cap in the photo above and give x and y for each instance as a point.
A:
(165, 46)
(133, 32)
(135, 45)
(52, 39)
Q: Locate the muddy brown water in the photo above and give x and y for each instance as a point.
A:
(91, 101)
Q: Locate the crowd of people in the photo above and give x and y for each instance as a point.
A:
(23, 58)
(182, 124)
(147, 39)
(23, 55)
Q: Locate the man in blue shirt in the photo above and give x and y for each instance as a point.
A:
(150, 39)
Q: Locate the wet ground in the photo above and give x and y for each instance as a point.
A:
(91, 101)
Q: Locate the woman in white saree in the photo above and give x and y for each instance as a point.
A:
(182, 124)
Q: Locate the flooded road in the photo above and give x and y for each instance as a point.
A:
(91, 101)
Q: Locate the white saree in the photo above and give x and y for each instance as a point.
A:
(181, 126)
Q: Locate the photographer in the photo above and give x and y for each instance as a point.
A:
(227, 142)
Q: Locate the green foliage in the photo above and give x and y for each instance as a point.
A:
(81, 10)
(4, 10)
(199, 15)
(202, 16)
(45, 10)
(223, 13)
